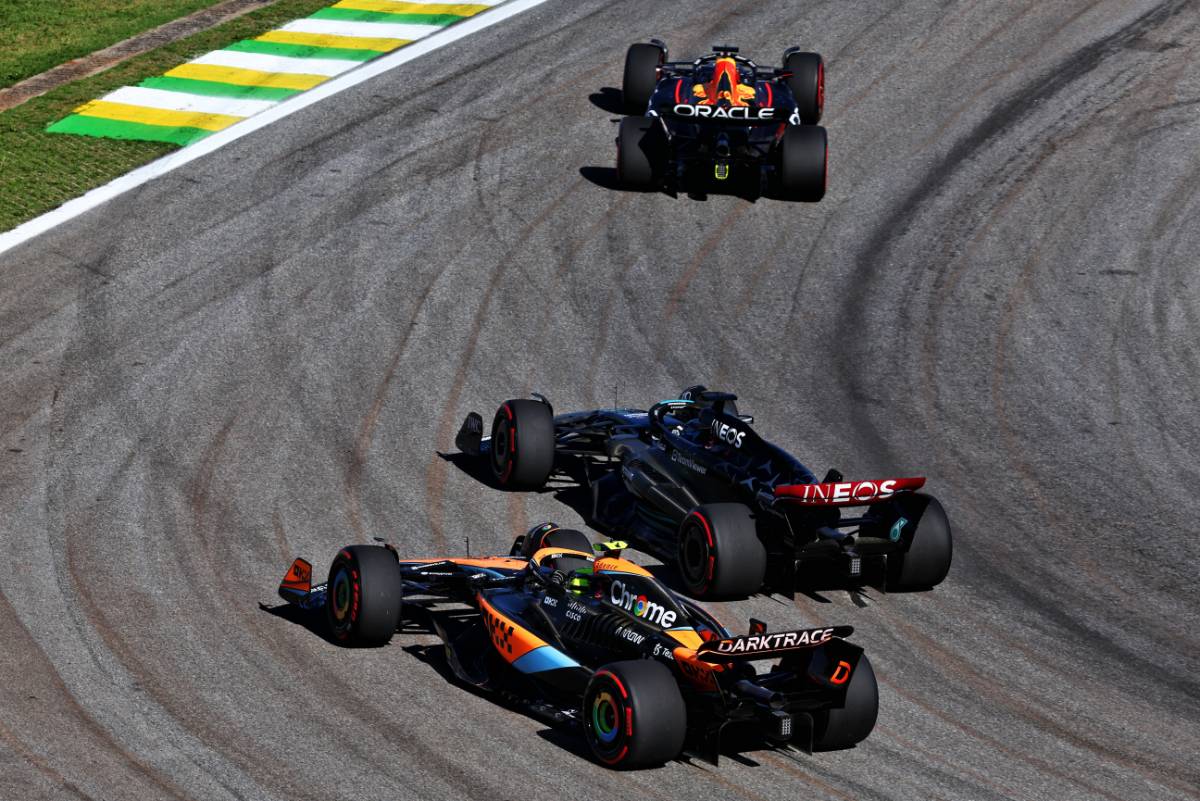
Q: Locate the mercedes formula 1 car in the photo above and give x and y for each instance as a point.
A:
(691, 482)
(721, 118)
(593, 640)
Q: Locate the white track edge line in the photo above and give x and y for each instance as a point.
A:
(172, 161)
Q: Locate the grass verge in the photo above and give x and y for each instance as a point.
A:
(39, 171)
(39, 35)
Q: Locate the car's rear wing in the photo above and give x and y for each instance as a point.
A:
(741, 115)
(765, 646)
(845, 493)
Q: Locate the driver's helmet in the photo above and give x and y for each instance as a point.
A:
(576, 569)
(579, 581)
(693, 394)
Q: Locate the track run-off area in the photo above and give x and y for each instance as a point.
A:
(264, 353)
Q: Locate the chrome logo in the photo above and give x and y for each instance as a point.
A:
(640, 606)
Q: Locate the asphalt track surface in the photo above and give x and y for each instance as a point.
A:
(260, 356)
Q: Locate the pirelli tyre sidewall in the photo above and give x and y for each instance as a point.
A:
(849, 725)
(522, 446)
(633, 714)
(720, 554)
(362, 598)
(641, 75)
(807, 82)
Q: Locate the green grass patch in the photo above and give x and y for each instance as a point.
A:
(39, 170)
(40, 34)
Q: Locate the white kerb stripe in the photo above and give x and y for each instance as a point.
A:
(386, 30)
(265, 63)
(173, 161)
(183, 101)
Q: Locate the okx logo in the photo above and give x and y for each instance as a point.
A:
(641, 606)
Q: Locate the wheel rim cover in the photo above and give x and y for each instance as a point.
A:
(605, 719)
(341, 595)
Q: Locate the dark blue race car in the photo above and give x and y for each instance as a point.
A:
(722, 118)
(692, 482)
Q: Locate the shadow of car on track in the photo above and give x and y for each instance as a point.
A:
(609, 99)
(606, 178)
(317, 624)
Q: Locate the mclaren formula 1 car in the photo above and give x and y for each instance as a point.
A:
(723, 118)
(689, 480)
(593, 640)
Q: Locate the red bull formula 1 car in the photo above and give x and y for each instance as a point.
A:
(723, 118)
(690, 481)
(593, 641)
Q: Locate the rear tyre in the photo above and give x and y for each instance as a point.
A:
(633, 714)
(362, 598)
(635, 148)
(641, 75)
(804, 162)
(850, 725)
(930, 550)
(807, 83)
(522, 447)
(720, 554)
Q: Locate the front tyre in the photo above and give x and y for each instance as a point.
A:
(807, 82)
(642, 61)
(850, 725)
(720, 554)
(522, 446)
(804, 162)
(362, 598)
(633, 714)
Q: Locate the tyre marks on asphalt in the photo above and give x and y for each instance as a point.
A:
(40, 683)
(1029, 645)
(435, 477)
(366, 430)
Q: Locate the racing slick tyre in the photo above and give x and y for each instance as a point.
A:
(641, 75)
(633, 714)
(804, 162)
(362, 599)
(720, 554)
(807, 82)
(635, 145)
(930, 548)
(845, 727)
(522, 453)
